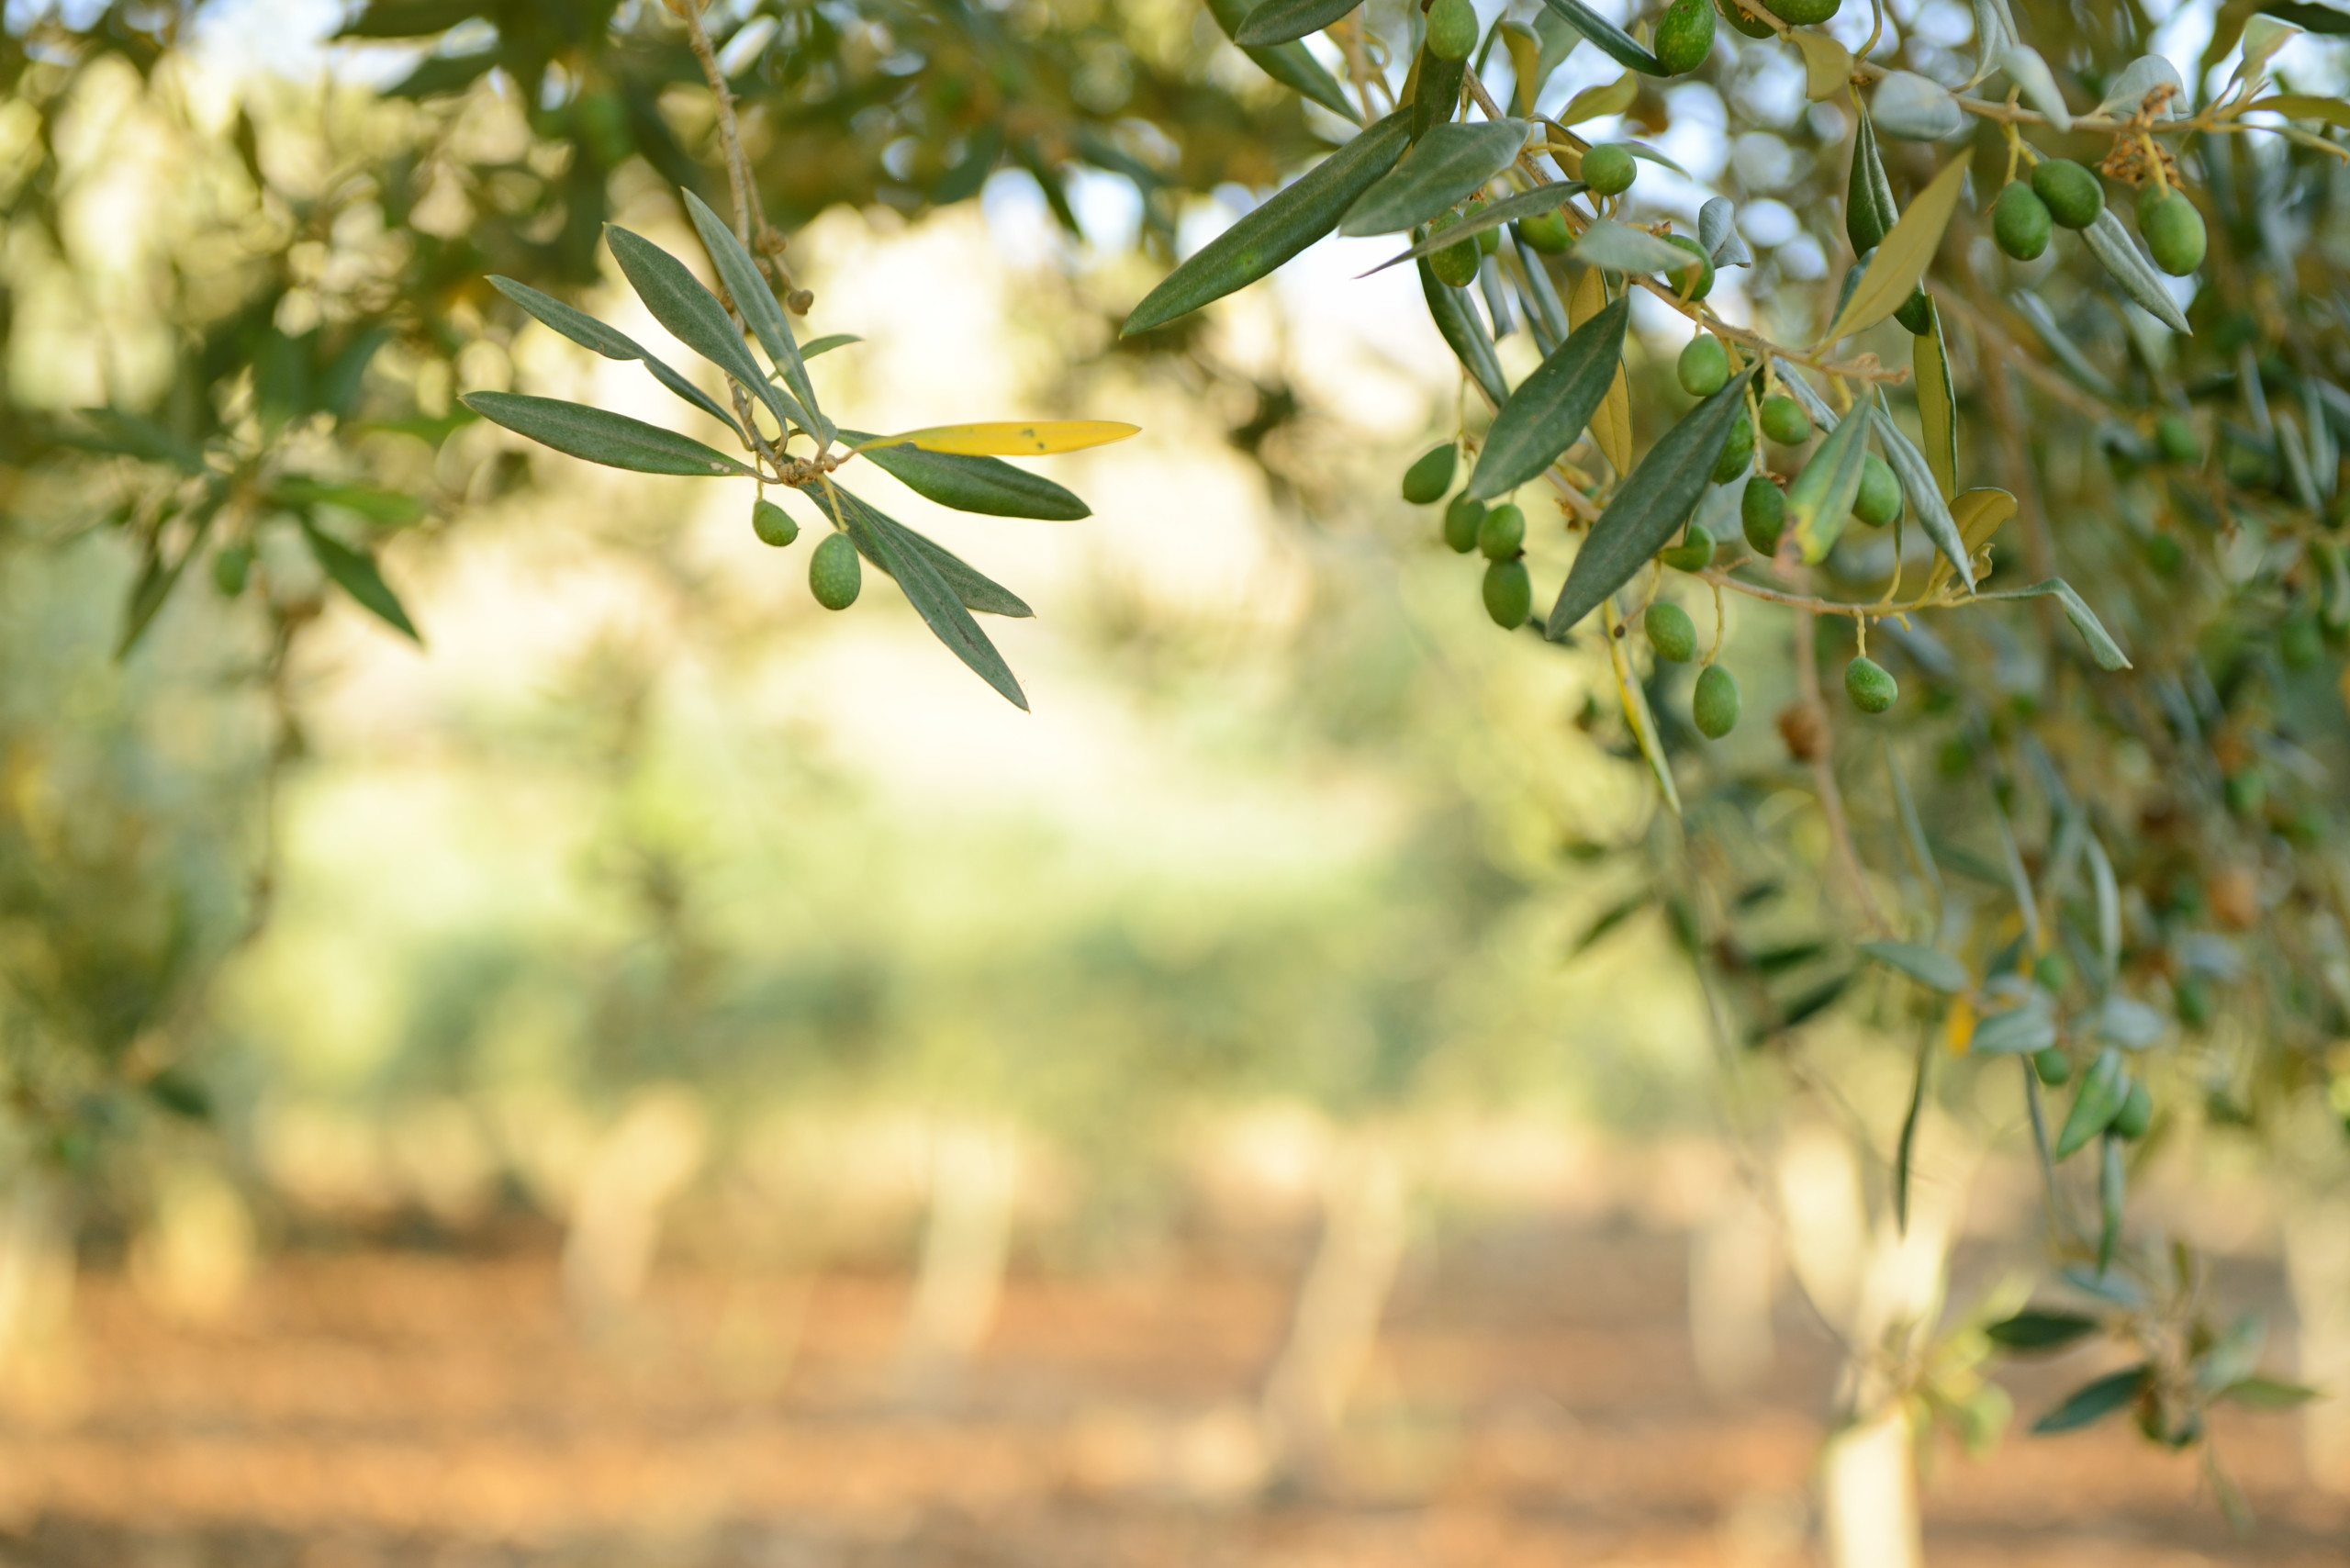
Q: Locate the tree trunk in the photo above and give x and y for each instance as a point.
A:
(1338, 1307)
(1733, 1282)
(975, 1184)
(2317, 1261)
(645, 1160)
(36, 1293)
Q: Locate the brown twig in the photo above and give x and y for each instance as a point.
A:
(751, 224)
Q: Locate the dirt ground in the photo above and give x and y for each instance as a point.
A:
(1533, 1401)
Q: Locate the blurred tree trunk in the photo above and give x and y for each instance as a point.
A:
(1733, 1284)
(975, 1186)
(2317, 1263)
(1338, 1307)
(638, 1167)
(36, 1292)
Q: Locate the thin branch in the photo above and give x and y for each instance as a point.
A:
(1822, 758)
(751, 224)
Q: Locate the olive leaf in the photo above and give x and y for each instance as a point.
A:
(1819, 503)
(1978, 514)
(1611, 423)
(1596, 102)
(975, 588)
(1641, 720)
(156, 579)
(2112, 1180)
(590, 333)
(693, 315)
(1650, 504)
(1869, 211)
(1827, 64)
(2102, 647)
(2111, 245)
(1493, 214)
(1906, 1147)
(2068, 353)
(1463, 333)
(2033, 78)
(1915, 108)
(1620, 248)
(2095, 1104)
(1937, 406)
(2139, 77)
(2304, 106)
(969, 483)
(1435, 91)
(1011, 438)
(1283, 225)
(2019, 1031)
(1292, 64)
(2265, 1394)
(355, 574)
(1610, 39)
(1928, 966)
(1923, 489)
(1280, 21)
(1551, 408)
(1901, 260)
(1452, 162)
(1540, 295)
(2037, 1328)
(891, 548)
(2095, 1401)
(1717, 235)
(599, 435)
(757, 303)
(827, 344)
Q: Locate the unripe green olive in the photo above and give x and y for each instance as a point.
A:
(1917, 313)
(1763, 513)
(1456, 264)
(2053, 1067)
(2176, 435)
(232, 568)
(1670, 633)
(1803, 13)
(2071, 193)
(1714, 702)
(1703, 367)
(1753, 27)
(1461, 520)
(1509, 594)
(1685, 36)
(834, 574)
(773, 524)
(2019, 221)
(1678, 279)
(1694, 553)
(1736, 452)
(2190, 998)
(2174, 232)
(1878, 500)
(2300, 643)
(1430, 476)
(1452, 28)
(2054, 972)
(2136, 1115)
(1609, 170)
(1870, 685)
(1547, 232)
(1501, 533)
(1785, 422)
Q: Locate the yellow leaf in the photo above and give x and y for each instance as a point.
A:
(1978, 514)
(1937, 407)
(1009, 439)
(2305, 105)
(1525, 55)
(1611, 422)
(1636, 709)
(1827, 64)
(1904, 256)
(1592, 102)
(1958, 1029)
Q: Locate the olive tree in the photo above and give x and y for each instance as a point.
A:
(2018, 419)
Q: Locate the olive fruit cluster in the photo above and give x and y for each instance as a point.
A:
(834, 574)
(1496, 533)
(2062, 193)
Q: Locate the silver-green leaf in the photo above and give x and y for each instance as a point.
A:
(757, 302)
(1452, 162)
(599, 435)
(969, 483)
(1493, 214)
(1923, 491)
(1605, 35)
(1930, 967)
(694, 317)
(1650, 506)
(610, 342)
(1551, 408)
(2111, 244)
(2102, 647)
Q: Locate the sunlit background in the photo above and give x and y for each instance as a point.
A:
(693, 1079)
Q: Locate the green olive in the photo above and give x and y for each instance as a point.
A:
(1461, 520)
(2053, 1067)
(2071, 193)
(1703, 367)
(834, 574)
(1753, 27)
(1870, 685)
(1736, 452)
(2176, 435)
(1678, 279)
(1547, 232)
(1803, 13)
(1452, 30)
(1763, 513)
(1608, 169)
(773, 524)
(1501, 533)
(1509, 594)
(1878, 500)
(2019, 221)
(1685, 36)
(1785, 422)
(1456, 264)
(1714, 702)
(2173, 232)
(1426, 481)
(1694, 553)
(1670, 633)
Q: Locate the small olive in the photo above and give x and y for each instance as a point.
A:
(1870, 685)
(2019, 221)
(1878, 500)
(1509, 594)
(1430, 476)
(1461, 520)
(2070, 192)
(1670, 633)
(773, 524)
(1703, 367)
(1785, 422)
(1763, 513)
(1714, 702)
(834, 574)
(1609, 170)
